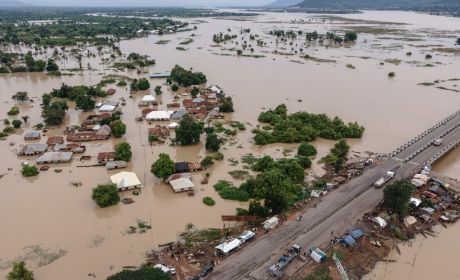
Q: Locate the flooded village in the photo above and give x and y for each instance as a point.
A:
(184, 207)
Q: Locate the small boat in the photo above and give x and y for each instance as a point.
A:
(44, 167)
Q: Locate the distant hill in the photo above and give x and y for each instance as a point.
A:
(376, 4)
(12, 4)
(283, 3)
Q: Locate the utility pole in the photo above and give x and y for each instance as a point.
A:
(343, 273)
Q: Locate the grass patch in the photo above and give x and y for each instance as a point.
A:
(162, 42)
(204, 235)
(239, 174)
(320, 273)
(315, 59)
(394, 61)
(186, 42)
(447, 50)
(228, 191)
(426, 84)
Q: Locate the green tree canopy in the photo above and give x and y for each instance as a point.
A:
(396, 197)
(212, 142)
(163, 167)
(338, 155)
(187, 77)
(188, 132)
(16, 123)
(143, 84)
(306, 149)
(85, 102)
(118, 128)
(302, 127)
(106, 195)
(226, 105)
(54, 113)
(51, 66)
(195, 92)
(123, 151)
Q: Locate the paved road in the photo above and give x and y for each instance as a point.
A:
(338, 210)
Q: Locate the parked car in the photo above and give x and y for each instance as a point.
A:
(194, 277)
(206, 270)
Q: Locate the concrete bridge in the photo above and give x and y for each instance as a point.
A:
(341, 208)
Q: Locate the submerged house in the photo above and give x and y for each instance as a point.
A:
(179, 114)
(115, 164)
(54, 157)
(182, 184)
(159, 131)
(126, 181)
(32, 135)
(183, 166)
(69, 147)
(32, 149)
(102, 133)
(54, 140)
(159, 116)
(106, 157)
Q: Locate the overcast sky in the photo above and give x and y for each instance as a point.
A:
(182, 3)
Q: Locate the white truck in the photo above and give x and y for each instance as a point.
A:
(277, 269)
(166, 269)
(387, 177)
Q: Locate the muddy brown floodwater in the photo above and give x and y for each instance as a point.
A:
(62, 234)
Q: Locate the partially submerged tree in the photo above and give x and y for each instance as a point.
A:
(123, 151)
(158, 90)
(16, 123)
(51, 66)
(106, 195)
(350, 36)
(20, 96)
(226, 105)
(29, 171)
(163, 167)
(20, 272)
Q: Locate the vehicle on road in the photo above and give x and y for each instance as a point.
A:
(194, 277)
(437, 142)
(277, 269)
(206, 270)
(317, 255)
(387, 177)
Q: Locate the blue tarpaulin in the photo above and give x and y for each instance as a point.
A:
(356, 233)
(348, 240)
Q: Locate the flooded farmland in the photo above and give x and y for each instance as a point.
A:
(60, 231)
